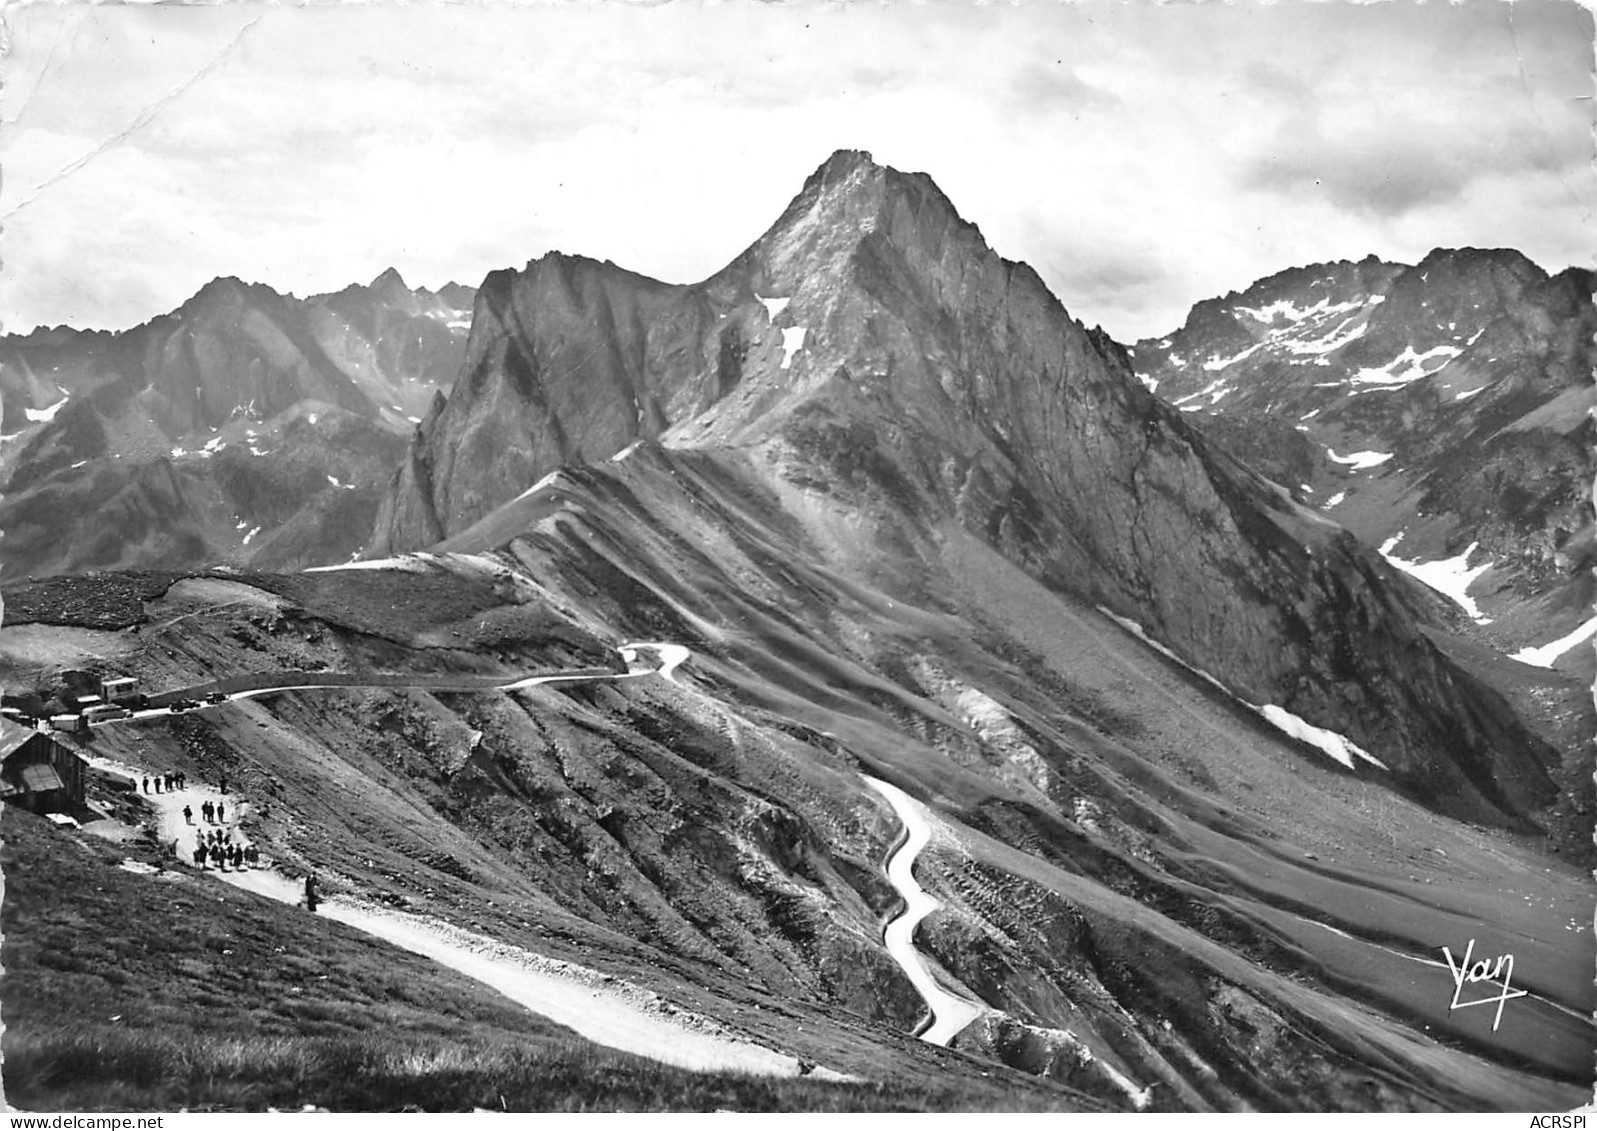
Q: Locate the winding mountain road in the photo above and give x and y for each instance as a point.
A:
(668, 657)
(950, 1013)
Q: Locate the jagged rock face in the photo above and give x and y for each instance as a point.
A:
(568, 361)
(244, 426)
(917, 378)
(1443, 405)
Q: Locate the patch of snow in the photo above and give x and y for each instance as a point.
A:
(773, 306)
(1415, 364)
(214, 444)
(44, 415)
(178, 453)
(1286, 310)
(1310, 415)
(1544, 656)
(1450, 577)
(1331, 341)
(311, 419)
(1215, 364)
(1334, 499)
(414, 419)
(792, 342)
(79, 464)
(625, 452)
(1360, 461)
(1329, 741)
(1177, 360)
(1214, 390)
(409, 563)
(1467, 395)
(459, 324)
(1151, 383)
(241, 525)
(1305, 487)
(254, 451)
(1301, 427)
(345, 486)
(250, 535)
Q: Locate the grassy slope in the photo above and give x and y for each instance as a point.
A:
(127, 991)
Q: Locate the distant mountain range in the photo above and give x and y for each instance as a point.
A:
(1440, 411)
(245, 427)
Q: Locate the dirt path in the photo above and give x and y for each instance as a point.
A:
(603, 1009)
(950, 1013)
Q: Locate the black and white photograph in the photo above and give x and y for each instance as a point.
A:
(795, 556)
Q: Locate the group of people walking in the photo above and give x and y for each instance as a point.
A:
(214, 846)
(211, 813)
(218, 848)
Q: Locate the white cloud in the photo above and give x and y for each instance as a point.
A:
(1141, 157)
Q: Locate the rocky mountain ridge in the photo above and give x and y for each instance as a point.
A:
(1440, 411)
(871, 350)
(245, 426)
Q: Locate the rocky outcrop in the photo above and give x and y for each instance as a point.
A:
(569, 360)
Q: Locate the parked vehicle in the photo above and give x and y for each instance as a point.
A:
(104, 712)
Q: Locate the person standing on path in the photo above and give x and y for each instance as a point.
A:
(310, 894)
(146, 782)
(219, 818)
(207, 810)
(188, 815)
(157, 783)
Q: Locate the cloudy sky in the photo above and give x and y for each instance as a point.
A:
(1140, 156)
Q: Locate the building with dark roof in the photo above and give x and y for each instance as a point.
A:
(37, 772)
